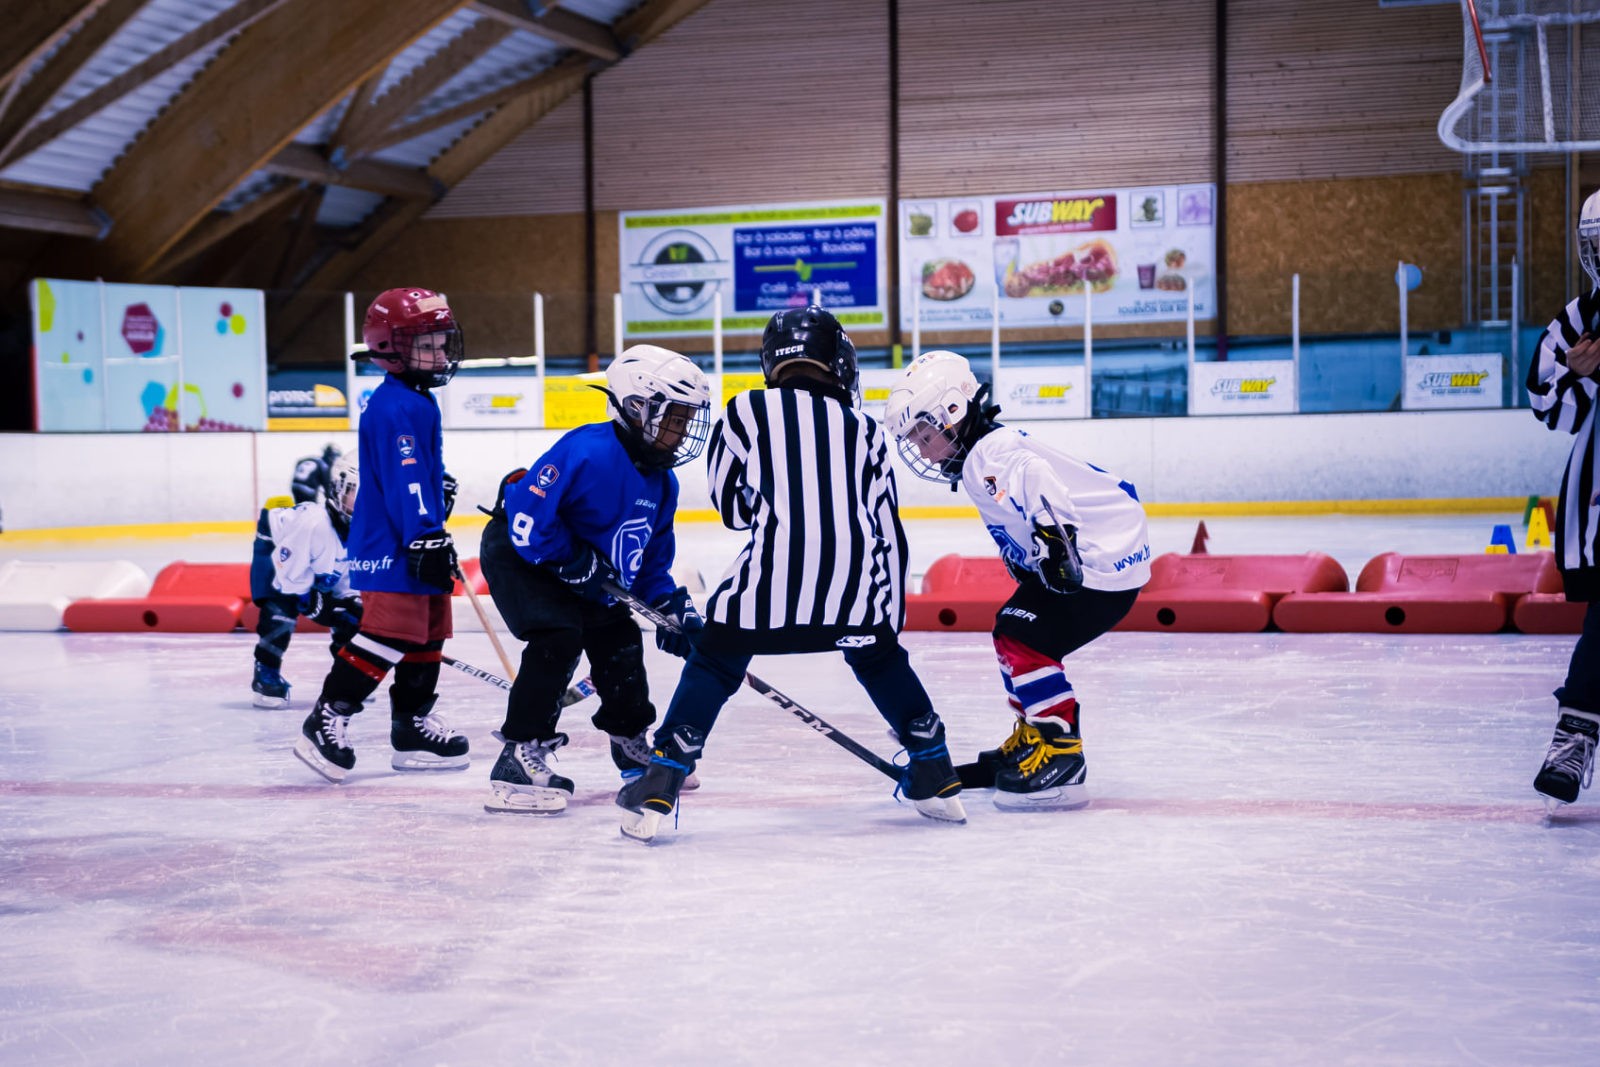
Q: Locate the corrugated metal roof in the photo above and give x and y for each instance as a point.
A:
(343, 207)
(424, 48)
(521, 55)
(420, 151)
(606, 11)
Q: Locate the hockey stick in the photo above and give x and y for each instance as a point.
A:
(582, 689)
(810, 718)
(483, 617)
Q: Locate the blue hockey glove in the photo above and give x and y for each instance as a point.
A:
(431, 560)
(586, 574)
(334, 612)
(677, 606)
(1060, 568)
(451, 487)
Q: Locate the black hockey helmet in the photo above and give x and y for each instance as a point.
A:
(809, 335)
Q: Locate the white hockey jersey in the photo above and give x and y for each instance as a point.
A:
(306, 551)
(1012, 478)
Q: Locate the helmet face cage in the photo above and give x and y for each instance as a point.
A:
(926, 412)
(1589, 238)
(344, 480)
(674, 428)
(931, 450)
(431, 355)
(663, 403)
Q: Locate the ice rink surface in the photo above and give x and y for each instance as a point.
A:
(1303, 849)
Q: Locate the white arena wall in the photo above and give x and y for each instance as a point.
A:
(78, 480)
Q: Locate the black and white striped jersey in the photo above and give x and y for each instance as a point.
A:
(809, 477)
(1564, 401)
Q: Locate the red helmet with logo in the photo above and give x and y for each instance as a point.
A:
(412, 334)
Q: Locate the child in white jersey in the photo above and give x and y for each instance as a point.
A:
(1072, 535)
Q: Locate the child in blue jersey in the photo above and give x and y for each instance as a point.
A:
(300, 567)
(597, 506)
(401, 559)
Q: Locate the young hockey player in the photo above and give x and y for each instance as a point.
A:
(401, 558)
(1073, 536)
(598, 505)
(299, 568)
(1562, 391)
(807, 473)
(313, 474)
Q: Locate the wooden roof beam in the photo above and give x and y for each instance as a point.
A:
(277, 77)
(220, 225)
(33, 28)
(47, 213)
(308, 164)
(562, 28)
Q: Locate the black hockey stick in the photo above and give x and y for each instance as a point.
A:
(582, 689)
(810, 718)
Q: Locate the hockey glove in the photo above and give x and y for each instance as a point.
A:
(1018, 569)
(1060, 569)
(451, 487)
(677, 606)
(334, 612)
(586, 574)
(431, 560)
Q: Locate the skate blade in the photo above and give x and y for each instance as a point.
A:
(312, 758)
(427, 761)
(942, 809)
(507, 800)
(1057, 798)
(641, 825)
(691, 782)
(1554, 806)
(262, 700)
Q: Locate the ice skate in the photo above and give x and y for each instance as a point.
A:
(269, 688)
(980, 773)
(322, 743)
(654, 793)
(522, 782)
(632, 756)
(929, 780)
(1050, 774)
(1569, 765)
(426, 743)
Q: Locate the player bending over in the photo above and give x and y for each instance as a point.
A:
(1072, 535)
(807, 473)
(598, 506)
(401, 558)
(299, 568)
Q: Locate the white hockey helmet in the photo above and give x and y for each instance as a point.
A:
(1589, 238)
(925, 411)
(662, 401)
(344, 478)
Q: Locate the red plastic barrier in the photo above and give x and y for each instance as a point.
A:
(184, 598)
(960, 594)
(1546, 610)
(472, 570)
(1226, 594)
(1470, 594)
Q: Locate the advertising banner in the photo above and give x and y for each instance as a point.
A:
(498, 402)
(1135, 251)
(1060, 392)
(223, 334)
(1254, 387)
(142, 379)
(1469, 380)
(761, 258)
(69, 355)
(572, 401)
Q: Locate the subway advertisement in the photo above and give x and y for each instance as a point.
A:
(1135, 252)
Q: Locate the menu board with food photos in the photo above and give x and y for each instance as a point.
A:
(1136, 252)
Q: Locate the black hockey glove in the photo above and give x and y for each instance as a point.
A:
(586, 574)
(1020, 572)
(677, 606)
(334, 612)
(431, 560)
(451, 487)
(1060, 569)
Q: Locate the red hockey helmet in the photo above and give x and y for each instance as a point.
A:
(412, 334)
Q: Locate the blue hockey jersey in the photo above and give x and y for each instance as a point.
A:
(585, 489)
(401, 495)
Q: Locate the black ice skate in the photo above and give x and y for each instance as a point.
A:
(1569, 765)
(632, 756)
(425, 742)
(654, 793)
(270, 690)
(929, 780)
(322, 743)
(980, 773)
(522, 782)
(1049, 776)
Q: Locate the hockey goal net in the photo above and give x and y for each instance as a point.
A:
(1530, 79)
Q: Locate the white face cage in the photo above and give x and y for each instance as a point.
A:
(671, 426)
(1589, 238)
(931, 449)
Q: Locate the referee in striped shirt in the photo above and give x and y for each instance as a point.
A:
(1561, 389)
(807, 473)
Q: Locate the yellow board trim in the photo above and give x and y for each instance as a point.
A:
(1242, 508)
(340, 423)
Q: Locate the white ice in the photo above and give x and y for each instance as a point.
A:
(1302, 850)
